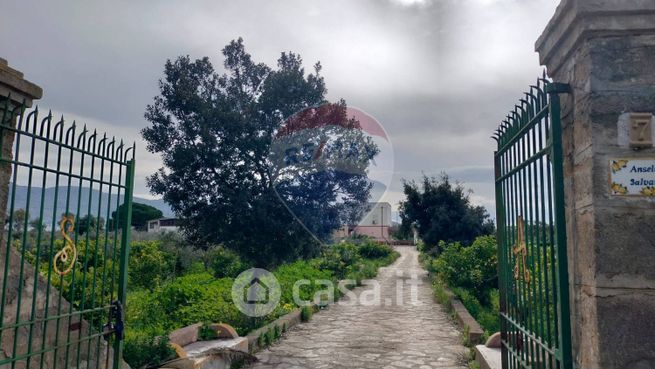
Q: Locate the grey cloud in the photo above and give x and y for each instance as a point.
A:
(438, 74)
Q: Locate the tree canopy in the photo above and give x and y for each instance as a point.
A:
(442, 211)
(224, 176)
(141, 214)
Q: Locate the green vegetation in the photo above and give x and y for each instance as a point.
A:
(89, 224)
(306, 313)
(197, 295)
(470, 272)
(143, 347)
(225, 186)
(206, 333)
(171, 286)
(141, 214)
(225, 263)
(442, 211)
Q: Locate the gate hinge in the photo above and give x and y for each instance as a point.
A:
(115, 323)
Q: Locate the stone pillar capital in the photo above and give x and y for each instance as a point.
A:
(576, 21)
(13, 84)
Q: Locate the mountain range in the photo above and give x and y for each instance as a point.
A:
(93, 197)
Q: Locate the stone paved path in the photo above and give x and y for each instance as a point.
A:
(409, 335)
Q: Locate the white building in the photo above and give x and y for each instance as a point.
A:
(163, 224)
(376, 222)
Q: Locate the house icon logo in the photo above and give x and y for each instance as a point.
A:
(256, 292)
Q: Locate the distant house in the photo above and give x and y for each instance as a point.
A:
(163, 224)
(375, 223)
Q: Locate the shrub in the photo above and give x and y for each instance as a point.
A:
(149, 266)
(146, 348)
(373, 250)
(225, 263)
(306, 313)
(440, 292)
(473, 267)
(469, 300)
(143, 310)
(288, 274)
(420, 246)
(201, 298)
(339, 257)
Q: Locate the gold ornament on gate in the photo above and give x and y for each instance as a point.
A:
(68, 254)
(521, 252)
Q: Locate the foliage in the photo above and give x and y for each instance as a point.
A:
(222, 185)
(441, 211)
(206, 333)
(471, 274)
(277, 332)
(288, 274)
(489, 317)
(17, 223)
(36, 230)
(374, 250)
(89, 224)
(141, 214)
(149, 265)
(440, 293)
(92, 282)
(306, 313)
(146, 348)
(187, 257)
(339, 258)
(163, 296)
(225, 263)
(474, 267)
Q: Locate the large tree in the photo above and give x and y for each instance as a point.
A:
(223, 174)
(442, 211)
(141, 214)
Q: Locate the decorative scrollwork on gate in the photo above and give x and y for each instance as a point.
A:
(67, 256)
(521, 252)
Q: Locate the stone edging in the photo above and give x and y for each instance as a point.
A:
(488, 358)
(291, 319)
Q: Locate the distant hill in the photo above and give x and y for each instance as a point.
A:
(20, 202)
(49, 205)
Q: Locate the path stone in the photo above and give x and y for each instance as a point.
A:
(414, 334)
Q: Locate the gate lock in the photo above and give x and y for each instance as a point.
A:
(115, 322)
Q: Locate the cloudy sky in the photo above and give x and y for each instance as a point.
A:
(437, 74)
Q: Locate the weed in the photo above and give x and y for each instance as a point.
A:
(277, 332)
(306, 313)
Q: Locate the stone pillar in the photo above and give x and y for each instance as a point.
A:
(606, 50)
(20, 91)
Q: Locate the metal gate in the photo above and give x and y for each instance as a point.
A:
(65, 244)
(533, 277)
